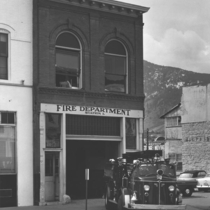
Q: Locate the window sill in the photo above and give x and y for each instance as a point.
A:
(69, 88)
(113, 92)
(9, 83)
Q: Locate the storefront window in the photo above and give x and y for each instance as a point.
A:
(7, 142)
(53, 130)
(130, 133)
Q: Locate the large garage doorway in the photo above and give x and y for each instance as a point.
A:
(87, 154)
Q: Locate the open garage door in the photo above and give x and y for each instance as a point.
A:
(87, 154)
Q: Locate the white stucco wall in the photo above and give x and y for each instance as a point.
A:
(194, 104)
(16, 21)
(173, 133)
(19, 100)
(196, 127)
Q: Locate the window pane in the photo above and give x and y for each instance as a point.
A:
(130, 133)
(7, 149)
(3, 44)
(7, 118)
(48, 164)
(67, 59)
(53, 130)
(66, 79)
(114, 83)
(115, 47)
(179, 166)
(3, 67)
(115, 64)
(67, 68)
(68, 40)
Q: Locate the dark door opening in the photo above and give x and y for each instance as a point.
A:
(87, 154)
(8, 190)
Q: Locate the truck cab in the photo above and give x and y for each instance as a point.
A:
(142, 180)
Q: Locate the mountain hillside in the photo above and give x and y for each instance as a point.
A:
(163, 90)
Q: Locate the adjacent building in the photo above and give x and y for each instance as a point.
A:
(187, 129)
(196, 127)
(173, 135)
(88, 92)
(16, 80)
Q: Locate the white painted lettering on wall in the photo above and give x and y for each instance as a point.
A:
(92, 110)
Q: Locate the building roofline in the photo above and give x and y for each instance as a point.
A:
(111, 6)
(175, 107)
(123, 4)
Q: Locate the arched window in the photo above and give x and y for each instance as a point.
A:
(115, 67)
(68, 61)
(3, 56)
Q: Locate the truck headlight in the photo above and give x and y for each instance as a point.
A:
(146, 187)
(171, 188)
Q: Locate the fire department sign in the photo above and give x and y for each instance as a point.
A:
(91, 110)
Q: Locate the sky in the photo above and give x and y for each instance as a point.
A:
(177, 33)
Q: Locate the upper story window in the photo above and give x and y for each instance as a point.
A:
(173, 121)
(68, 61)
(115, 67)
(3, 56)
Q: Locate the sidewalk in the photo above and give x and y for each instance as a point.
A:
(92, 204)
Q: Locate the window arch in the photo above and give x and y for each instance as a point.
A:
(68, 61)
(116, 60)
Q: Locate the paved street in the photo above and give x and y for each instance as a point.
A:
(198, 201)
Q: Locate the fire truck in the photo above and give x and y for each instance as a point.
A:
(142, 180)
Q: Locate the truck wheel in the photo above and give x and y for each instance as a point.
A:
(120, 203)
(107, 197)
(187, 192)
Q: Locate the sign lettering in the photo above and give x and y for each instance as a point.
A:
(92, 110)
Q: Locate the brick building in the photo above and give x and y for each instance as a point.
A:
(88, 92)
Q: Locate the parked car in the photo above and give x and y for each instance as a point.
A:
(204, 183)
(187, 181)
(142, 180)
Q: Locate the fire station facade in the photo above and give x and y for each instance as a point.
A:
(88, 92)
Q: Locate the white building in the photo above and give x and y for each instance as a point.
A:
(173, 135)
(16, 138)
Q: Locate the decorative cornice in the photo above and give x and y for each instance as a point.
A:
(108, 6)
(82, 93)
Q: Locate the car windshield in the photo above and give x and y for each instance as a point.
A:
(186, 175)
(146, 169)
